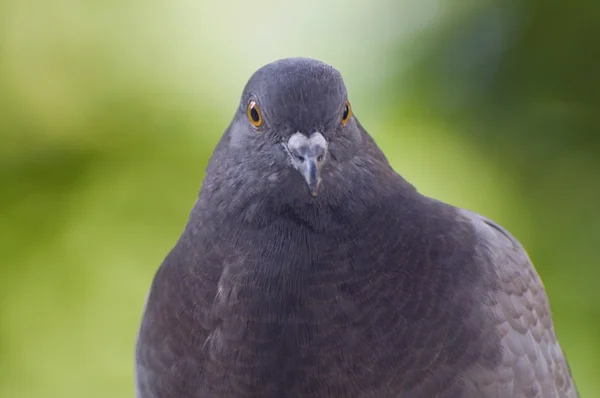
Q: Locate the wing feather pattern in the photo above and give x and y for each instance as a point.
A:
(533, 363)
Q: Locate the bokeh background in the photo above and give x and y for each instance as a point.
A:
(109, 111)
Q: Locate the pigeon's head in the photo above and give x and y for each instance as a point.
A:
(295, 125)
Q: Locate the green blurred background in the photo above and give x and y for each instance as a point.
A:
(109, 111)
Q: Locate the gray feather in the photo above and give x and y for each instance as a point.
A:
(533, 364)
(368, 289)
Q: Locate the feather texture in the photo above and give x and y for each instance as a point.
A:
(370, 290)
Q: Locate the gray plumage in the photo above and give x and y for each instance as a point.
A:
(309, 268)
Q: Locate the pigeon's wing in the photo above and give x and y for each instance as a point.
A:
(533, 363)
(176, 324)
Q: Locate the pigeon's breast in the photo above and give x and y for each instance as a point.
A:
(294, 311)
(299, 314)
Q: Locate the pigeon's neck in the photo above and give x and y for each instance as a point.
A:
(310, 237)
(336, 210)
(350, 194)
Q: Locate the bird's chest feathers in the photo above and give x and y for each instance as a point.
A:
(297, 294)
(294, 305)
(284, 276)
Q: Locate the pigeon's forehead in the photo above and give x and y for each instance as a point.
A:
(294, 89)
(295, 79)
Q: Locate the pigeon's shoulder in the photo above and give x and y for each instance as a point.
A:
(533, 363)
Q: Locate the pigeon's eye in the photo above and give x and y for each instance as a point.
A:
(254, 114)
(347, 113)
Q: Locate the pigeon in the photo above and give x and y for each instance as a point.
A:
(310, 268)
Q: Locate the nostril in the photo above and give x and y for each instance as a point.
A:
(320, 158)
(300, 158)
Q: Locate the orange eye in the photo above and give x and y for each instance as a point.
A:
(254, 114)
(347, 113)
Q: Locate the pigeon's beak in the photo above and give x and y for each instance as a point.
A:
(312, 174)
(308, 154)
